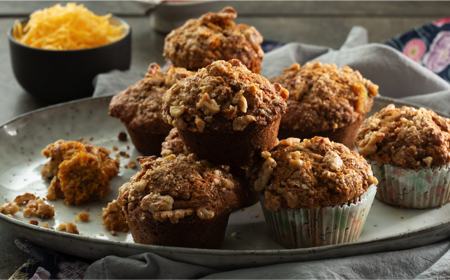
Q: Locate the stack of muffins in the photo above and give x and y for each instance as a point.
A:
(221, 149)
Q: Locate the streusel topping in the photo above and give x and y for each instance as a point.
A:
(407, 137)
(174, 187)
(324, 97)
(225, 96)
(311, 174)
(173, 145)
(139, 106)
(214, 36)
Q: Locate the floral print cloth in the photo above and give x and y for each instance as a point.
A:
(47, 264)
(428, 45)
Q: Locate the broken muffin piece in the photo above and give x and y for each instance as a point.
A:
(79, 172)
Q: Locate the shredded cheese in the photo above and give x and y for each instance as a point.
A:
(67, 27)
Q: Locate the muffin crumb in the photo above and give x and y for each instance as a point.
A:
(83, 216)
(9, 208)
(122, 136)
(113, 217)
(79, 172)
(68, 227)
(37, 207)
(34, 222)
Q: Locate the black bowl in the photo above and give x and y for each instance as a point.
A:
(59, 76)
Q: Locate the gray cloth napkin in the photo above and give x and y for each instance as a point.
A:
(398, 77)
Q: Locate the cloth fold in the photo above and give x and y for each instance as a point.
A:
(399, 77)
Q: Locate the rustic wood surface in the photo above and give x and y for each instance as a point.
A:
(318, 23)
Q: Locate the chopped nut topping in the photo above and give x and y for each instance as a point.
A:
(240, 123)
(214, 36)
(324, 97)
(205, 214)
(405, 137)
(156, 202)
(264, 174)
(333, 160)
(311, 174)
(176, 111)
(428, 161)
(173, 144)
(173, 216)
(174, 187)
(242, 104)
(225, 96)
(207, 105)
(34, 222)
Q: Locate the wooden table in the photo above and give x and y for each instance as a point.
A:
(318, 23)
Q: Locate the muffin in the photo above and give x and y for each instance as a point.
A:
(173, 145)
(314, 192)
(324, 101)
(225, 113)
(409, 152)
(139, 108)
(214, 36)
(79, 172)
(179, 201)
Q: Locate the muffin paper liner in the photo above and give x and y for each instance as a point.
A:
(301, 228)
(422, 188)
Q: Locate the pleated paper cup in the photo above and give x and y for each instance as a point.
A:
(301, 228)
(420, 189)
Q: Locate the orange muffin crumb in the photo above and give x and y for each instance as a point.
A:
(9, 209)
(68, 227)
(80, 172)
(37, 207)
(83, 216)
(113, 217)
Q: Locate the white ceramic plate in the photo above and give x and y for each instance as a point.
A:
(387, 227)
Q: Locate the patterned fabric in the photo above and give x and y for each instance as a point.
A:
(428, 45)
(47, 264)
(268, 46)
